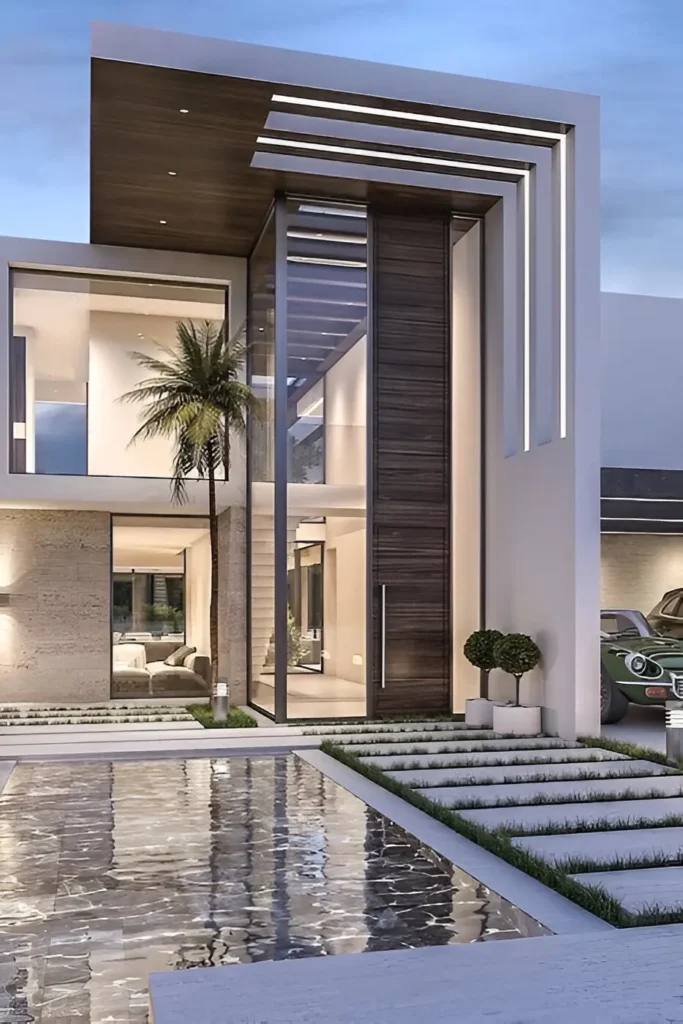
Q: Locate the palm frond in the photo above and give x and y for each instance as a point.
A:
(195, 397)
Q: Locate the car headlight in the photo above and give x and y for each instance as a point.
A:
(639, 665)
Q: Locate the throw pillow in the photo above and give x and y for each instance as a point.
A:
(178, 657)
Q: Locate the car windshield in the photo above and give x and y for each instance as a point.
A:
(625, 624)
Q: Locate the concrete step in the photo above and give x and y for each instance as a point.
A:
(640, 889)
(525, 792)
(99, 728)
(603, 847)
(453, 746)
(394, 728)
(207, 743)
(626, 811)
(353, 740)
(486, 757)
(509, 773)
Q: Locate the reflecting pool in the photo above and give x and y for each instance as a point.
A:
(112, 870)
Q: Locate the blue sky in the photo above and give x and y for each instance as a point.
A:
(630, 52)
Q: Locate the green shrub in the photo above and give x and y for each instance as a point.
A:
(237, 719)
(517, 654)
(479, 650)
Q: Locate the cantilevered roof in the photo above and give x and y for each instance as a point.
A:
(191, 138)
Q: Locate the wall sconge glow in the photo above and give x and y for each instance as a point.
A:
(357, 659)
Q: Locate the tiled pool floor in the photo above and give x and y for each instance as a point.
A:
(110, 871)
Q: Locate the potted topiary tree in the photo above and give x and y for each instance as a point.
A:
(479, 651)
(517, 654)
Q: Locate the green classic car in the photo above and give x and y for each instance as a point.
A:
(637, 664)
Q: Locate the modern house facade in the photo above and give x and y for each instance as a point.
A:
(414, 258)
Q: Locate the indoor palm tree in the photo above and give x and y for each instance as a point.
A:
(195, 398)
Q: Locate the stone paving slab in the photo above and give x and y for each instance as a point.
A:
(626, 976)
(640, 889)
(507, 773)
(557, 814)
(603, 847)
(524, 792)
(488, 756)
(414, 736)
(390, 727)
(460, 746)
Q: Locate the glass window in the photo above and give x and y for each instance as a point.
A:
(71, 360)
(261, 456)
(326, 458)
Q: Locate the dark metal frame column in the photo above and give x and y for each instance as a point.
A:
(281, 431)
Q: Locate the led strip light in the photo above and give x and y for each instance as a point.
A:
(430, 161)
(454, 122)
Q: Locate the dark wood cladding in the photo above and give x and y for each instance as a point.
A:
(216, 201)
(411, 505)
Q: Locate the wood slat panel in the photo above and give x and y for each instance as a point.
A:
(411, 468)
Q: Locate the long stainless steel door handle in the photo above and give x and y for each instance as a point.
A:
(383, 589)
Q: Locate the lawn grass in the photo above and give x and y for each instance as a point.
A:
(237, 719)
(634, 750)
(550, 799)
(593, 898)
(498, 762)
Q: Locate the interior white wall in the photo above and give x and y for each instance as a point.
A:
(641, 368)
(466, 456)
(637, 569)
(112, 373)
(345, 417)
(344, 635)
(198, 594)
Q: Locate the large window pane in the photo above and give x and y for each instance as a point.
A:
(70, 362)
(261, 455)
(326, 465)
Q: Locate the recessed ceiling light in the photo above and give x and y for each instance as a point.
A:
(162, 221)
(184, 110)
(140, 335)
(173, 173)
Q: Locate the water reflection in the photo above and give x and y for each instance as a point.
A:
(110, 871)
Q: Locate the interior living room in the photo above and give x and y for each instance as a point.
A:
(161, 578)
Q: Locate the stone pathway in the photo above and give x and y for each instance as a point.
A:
(609, 820)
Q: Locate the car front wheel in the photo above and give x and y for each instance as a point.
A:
(613, 704)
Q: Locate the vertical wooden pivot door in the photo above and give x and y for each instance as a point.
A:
(411, 507)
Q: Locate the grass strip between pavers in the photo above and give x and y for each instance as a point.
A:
(498, 762)
(540, 779)
(554, 799)
(634, 750)
(593, 898)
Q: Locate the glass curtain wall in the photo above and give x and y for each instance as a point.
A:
(261, 471)
(326, 329)
(308, 438)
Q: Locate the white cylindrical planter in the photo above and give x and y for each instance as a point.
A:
(479, 713)
(516, 720)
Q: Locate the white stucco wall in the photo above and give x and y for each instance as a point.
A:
(641, 375)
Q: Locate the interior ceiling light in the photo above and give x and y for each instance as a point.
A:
(346, 239)
(320, 261)
(162, 221)
(184, 110)
(173, 173)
